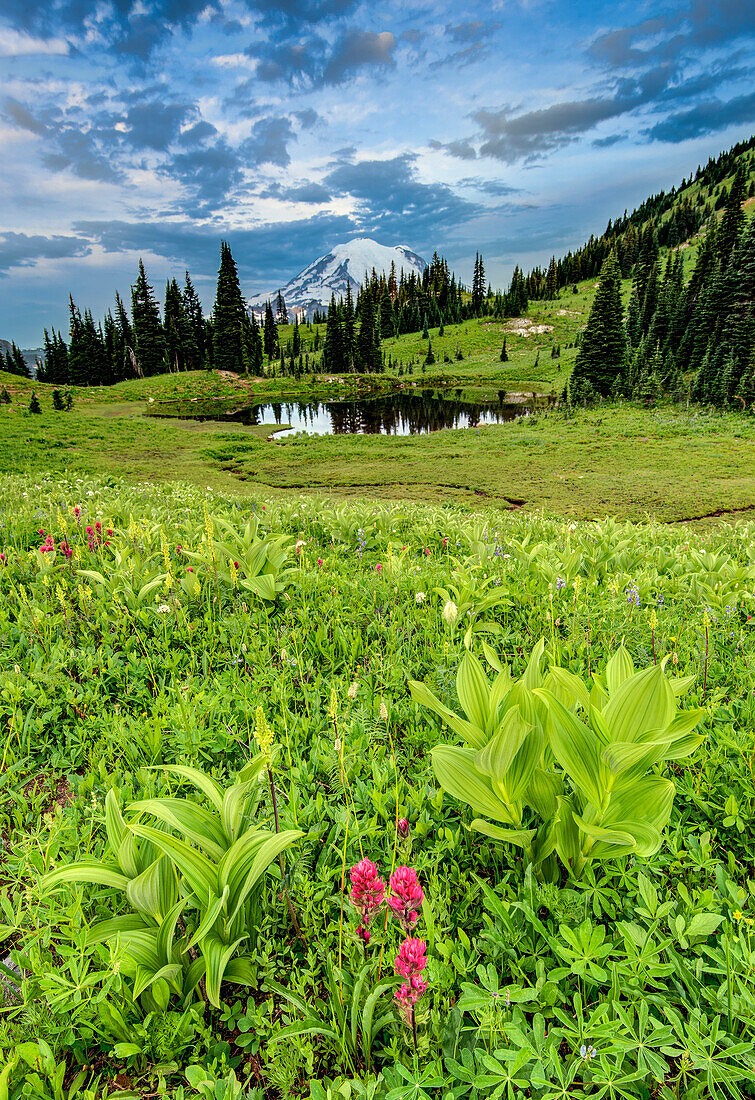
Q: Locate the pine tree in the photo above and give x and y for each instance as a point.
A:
(228, 316)
(16, 363)
(551, 287)
(733, 220)
(270, 333)
(333, 349)
(124, 354)
(280, 310)
(196, 343)
(176, 327)
(504, 356)
(149, 338)
(603, 347)
(429, 358)
(367, 359)
(34, 406)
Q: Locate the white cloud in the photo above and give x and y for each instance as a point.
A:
(17, 44)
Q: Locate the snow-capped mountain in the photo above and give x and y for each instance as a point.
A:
(331, 274)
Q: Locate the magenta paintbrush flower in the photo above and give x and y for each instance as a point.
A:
(410, 962)
(367, 894)
(405, 897)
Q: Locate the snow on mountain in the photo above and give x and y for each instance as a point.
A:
(331, 274)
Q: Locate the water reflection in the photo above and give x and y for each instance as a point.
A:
(394, 414)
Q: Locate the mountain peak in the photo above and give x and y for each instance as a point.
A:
(345, 265)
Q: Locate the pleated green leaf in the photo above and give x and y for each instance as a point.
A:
(473, 690)
(619, 668)
(575, 747)
(85, 871)
(457, 774)
(521, 837)
(198, 871)
(191, 820)
(216, 956)
(642, 702)
(472, 734)
(155, 890)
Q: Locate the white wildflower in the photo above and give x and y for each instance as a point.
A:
(450, 612)
(420, 597)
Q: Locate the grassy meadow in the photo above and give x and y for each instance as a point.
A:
(368, 767)
(214, 708)
(671, 463)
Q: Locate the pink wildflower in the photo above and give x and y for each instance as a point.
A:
(410, 962)
(403, 827)
(379, 567)
(66, 549)
(77, 510)
(319, 561)
(367, 894)
(110, 530)
(2, 558)
(405, 897)
(189, 569)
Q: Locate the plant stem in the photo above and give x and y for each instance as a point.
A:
(291, 910)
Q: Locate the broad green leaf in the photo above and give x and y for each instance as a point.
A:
(457, 774)
(566, 836)
(642, 702)
(521, 837)
(497, 756)
(198, 871)
(265, 854)
(234, 804)
(619, 668)
(576, 749)
(84, 871)
(108, 929)
(115, 826)
(473, 690)
(211, 911)
(543, 791)
(567, 687)
(216, 955)
(155, 890)
(421, 694)
(192, 821)
(205, 783)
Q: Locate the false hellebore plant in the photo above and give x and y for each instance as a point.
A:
(587, 786)
(200, 865)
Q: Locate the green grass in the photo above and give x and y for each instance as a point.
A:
(149, 649)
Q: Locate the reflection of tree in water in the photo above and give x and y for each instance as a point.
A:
(396, 414)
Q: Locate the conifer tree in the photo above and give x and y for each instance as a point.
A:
(280, 310)
(228, 315)
(603, 347)
(270, 333)
(149, 338)
(333, 349)
(196, 342)
(550, 280)
(504, 356)
(734, 219)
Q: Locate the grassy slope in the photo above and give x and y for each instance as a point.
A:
(626, 461)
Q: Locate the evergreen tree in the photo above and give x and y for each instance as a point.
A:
(504, 356)
(124, 344)
(429, 358)
(733, 220)
(176, 326)
(333, 349)
(368, 345)
(228, 316)
(270, 333)
(603, 347)
(149, 338)
(34, 406)
(196, 342)
(280, 310)
(550, 280)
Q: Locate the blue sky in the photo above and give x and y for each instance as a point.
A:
(158, 127)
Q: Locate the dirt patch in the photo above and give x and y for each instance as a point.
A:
(569, 313)
(60, 790)
(523, 326)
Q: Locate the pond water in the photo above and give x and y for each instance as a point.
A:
(393, 414)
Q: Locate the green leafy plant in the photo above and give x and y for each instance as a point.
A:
(200, 864)
(532, 758)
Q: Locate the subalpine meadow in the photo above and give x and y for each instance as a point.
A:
(387, 767)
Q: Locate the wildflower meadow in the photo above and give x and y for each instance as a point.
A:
(342, 800)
